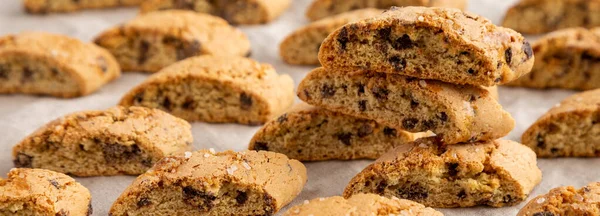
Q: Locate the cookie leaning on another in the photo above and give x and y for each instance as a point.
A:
(155, 40)
(53, 6)
(565, 201)
(209, 183)
(56, 65)
(111, 142)
(43, 193)
(216, 89)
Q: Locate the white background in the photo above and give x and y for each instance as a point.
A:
(20, 115)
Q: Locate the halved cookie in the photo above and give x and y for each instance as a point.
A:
(565, 201)
(111, 142)
(302, 46)
(235, 12)
(570, 129)
(308, 133)
(216, 89)
(361, 204)
(53, 6)
(209, 183)
(320, 9)
(430, 43)
(541, 16)
(494, 173)
(155, 40)
(49, 64)
(43, 193)
(455, 113)
(567, 59)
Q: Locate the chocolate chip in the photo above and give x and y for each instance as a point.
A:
(144, 201)
(102, 64)
(545, 213)
(508, 55)
(166, 103)
(429, 124)
(413, 192)
(384, 33)
(361, 89)
(148, 162)
(90, 209)
(414, 104)
(23, 161)
(183, 4)
(306, 93)
(410, 123)
(114, 153)
(261, 146)
(554, 150)
(342, 38)
(362, 105)
(62, 212)
(27, 74)
(391, 132)
(344, 138)
(541, 143)
(241, 197)
(364, 130)
(462, 194)
(380, 93)
(245, 101)
(283, 118)
(472, 72)
(54, 183)
(269, 205)
(381, 187)
(453, 169)
(397, 62)
(249, 53)
(403, 43)
(327, 91)
(586, 189)
(508, 199)
(527, 50)
(188, 103)
(198, 198)
(138, 98)
(3, 72)
(190, 49)
(143, 52)
(443, 116)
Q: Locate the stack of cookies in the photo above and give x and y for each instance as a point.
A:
(424, 69)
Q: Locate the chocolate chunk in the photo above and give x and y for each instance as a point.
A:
(391, 132)
(380, 93)
(403, 43)
(364, 130)
(143, 49)
(462, 194)
(381, 187)
(342, 38)
(413, 192)
(527, 50)
(362, 105)
(62, 212)
(261, 146)
(545, 213)
(361, 89)
(102, 64)
(23, 161)
(541, 143)
(27, 74)
(453, 169)
(283, 118)
(241, 197)
(397, 62)
(327, 91)
(245, 101)
(344, 138)
(508, 55)
(183, 4)
(443, 116)
(54, 183)
(198, 198)
(472, 72)
(410, 123)
(384, 33)
(189, 49)
(144, 201)
(114, 153)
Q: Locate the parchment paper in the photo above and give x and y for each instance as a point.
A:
(20, 115)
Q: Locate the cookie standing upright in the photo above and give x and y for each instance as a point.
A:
(235, 12)
(570, 129)
(430, 43)
(112, 142)
(43, 193)
(541, 16)
(320, 9)
(216, 89)
(50, 64)
(494, 173)
(209, 183)
(565, 201)
(566, 59)
(155, 40)
(59, 6)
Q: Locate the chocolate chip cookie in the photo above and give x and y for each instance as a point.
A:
(541, 16)
(43, 193)
(570, 129)
(320, 9)
(209, 183)
(361, 204)
(112, 142)
(55, 65)
(216, 89)
(59, 6)
(455, 113)
(155, 40)
(567, 59)
(308, 133)
(430, 43)
(494, 173)
(565, 201)
(235, 12)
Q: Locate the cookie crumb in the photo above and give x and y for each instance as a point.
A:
(187, 155)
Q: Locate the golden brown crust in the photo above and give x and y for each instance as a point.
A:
(565, 201)
(61, 6)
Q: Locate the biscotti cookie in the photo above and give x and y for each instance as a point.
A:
(430, 43)
(235, 12)
(494, 173)
(320, 9)
(359, 205)
(308, 133)
(570, 129)
(209, 183)
(302, 46)
(565, 201)
(455, 113)
(43, 193)
(155, 40)
(49, 64)
(112, 142)
(52, 6)
(216, 89)
(567, 59)
(540, 16)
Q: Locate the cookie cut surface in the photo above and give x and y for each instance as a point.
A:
(235, 12)
(361, 204)
(494, 173)
(570, 129)
(565, 201)
(430, 43)
(455, 113)
(216, 89)
(54, 6)
(155, 40)
(49, 64)
(308, 133)
(112, 142)
(43, 193)
(209, 183)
